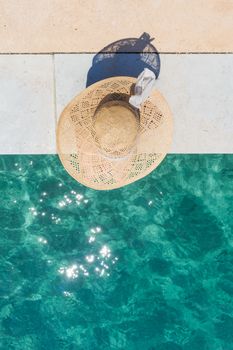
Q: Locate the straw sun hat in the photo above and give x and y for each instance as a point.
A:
(105, 143)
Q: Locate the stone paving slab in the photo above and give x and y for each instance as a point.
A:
(27, 104)
(87, 26)
(34, 89)
(198, 89)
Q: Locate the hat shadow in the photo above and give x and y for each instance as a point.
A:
(125, 57)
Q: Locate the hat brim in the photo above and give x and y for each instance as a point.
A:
(85, 162)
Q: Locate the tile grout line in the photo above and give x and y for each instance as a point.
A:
(95, 52)
(54, 93)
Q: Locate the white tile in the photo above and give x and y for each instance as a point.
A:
(70, 75)
(27, 104)
(198, 88)
(199, 91)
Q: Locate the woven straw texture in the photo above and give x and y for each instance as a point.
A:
(79, 153)
(115, 128)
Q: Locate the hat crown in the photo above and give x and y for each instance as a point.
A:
(115, 128)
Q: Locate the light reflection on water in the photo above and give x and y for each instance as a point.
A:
(70, 199)
(96, 263)
(42, 240)
(100, 261)
(90, 258)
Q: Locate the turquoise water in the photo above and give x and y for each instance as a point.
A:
(148, 266)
